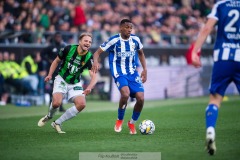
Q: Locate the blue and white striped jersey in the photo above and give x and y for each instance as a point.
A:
(122, 54)
(227, 45)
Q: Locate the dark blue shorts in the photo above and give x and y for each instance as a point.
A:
(224, 72)
(133, 81)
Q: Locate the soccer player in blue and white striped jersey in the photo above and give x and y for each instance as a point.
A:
(226, 55)
(122, 49)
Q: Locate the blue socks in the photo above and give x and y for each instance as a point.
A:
(135, 115)
(121, 113)
(211, 115)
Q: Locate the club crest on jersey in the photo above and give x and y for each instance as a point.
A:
(62, 83)
(138, 79)
(61, 52)
(83, 63)
(133, 46)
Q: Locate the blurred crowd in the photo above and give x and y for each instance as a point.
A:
(25, 77)
(155, 21)
(55, 23)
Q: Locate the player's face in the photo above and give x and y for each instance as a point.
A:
(85, 43)
(126, 30)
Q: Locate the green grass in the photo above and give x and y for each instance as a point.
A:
(180, 131)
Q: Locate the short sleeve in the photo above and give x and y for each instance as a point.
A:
(63, 52)
(109, 44)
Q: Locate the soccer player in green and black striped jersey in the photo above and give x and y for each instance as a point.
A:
(74, 59)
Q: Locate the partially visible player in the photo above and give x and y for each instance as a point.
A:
(74, 58)
(188, 55)
(226, 55)
(122, 49)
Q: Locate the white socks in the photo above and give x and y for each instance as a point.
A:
(51, 111)
(70, 113)
(210, 134)
(132, 121)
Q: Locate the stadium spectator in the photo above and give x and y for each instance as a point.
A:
(79, 14)
(15, 74)
(51, 52)
(63, 16)
(3, 93)
(74, 58)
(30, 64)
(41, 72)
(123, 70)
(226, 68)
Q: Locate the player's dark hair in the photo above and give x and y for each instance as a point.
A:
(84, 34)
(125, 21)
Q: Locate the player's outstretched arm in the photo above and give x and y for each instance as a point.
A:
(92, 83)
(95, 65)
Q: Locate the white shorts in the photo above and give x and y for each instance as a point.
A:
(72, 90)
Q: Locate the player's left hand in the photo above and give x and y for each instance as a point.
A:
(87, 91)
(144, 76)
(95, 67)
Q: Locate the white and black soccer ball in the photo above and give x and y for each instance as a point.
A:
(146, 127)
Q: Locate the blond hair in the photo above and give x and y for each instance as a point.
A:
(84, 34)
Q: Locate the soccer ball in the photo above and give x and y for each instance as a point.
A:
(146, 127)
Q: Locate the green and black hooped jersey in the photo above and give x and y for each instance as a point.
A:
(73, 64)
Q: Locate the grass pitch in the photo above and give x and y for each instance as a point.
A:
(180, 131)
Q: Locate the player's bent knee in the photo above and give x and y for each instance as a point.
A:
(80, 106)
(125, 95)
(140, 100)
(56, 104)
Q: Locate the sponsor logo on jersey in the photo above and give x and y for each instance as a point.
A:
(76, 61)
(133, 46)
(77, 88)
(73, 68)
(126, 54)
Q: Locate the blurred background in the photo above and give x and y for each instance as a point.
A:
(33, 31)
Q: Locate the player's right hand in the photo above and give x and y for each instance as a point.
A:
(196, 60)
(48, 78)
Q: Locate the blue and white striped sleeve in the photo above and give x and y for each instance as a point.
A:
(108, 44)
(214, 12)
(137, 39)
